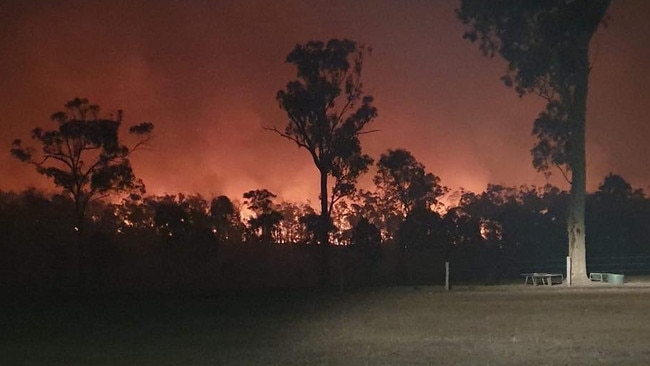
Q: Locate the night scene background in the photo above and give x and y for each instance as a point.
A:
(229, 218)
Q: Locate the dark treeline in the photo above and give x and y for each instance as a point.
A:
(383, 237)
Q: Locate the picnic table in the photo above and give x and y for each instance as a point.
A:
(537, 278)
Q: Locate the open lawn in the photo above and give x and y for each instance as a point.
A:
(496, 325)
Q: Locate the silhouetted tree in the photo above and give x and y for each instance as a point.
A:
(291, 229)
(509, 225)
(365, 241)
(134, 214)
(182, 216)
(461, 227)
(267, 218)
(226, 219)
(186, 243)
(172, 216)
(403, 182)
(617, 216)
(84, 157)
(365, 236)
(616, 188)
(310, 221)
(327, 112)
(422, 228)
(534, 225)
(378, 211)
(423, 240)
(546, 45)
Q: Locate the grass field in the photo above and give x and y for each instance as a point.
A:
(498, 325)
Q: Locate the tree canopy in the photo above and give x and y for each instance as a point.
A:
(266, 219)
(403, 182)
(327, 111)
(83, 154)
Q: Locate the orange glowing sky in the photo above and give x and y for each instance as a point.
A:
(206, 74)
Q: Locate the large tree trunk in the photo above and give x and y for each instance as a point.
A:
(576, 223)
(577, 161)
(576, 147)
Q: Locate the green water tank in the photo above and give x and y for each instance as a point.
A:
(615, 279)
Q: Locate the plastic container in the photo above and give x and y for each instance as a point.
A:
(615, 279)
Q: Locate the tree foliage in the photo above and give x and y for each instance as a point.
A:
(403, 183)
(617, 217)
(422, 229)
(546, 45)
(226, 218)
(327, 111)
(293, 227)
(267, 218)
(83, 155)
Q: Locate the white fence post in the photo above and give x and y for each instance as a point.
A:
(568, 270)
(447, 276)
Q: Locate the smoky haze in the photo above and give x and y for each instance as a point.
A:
(206, 74)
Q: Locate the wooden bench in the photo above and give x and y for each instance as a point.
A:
(544, 278)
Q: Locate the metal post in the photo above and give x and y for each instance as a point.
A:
(447, 276)
(568, 270)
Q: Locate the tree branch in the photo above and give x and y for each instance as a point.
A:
(565, 173)
(366, 132)
(300, 144)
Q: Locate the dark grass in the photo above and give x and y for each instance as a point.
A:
(499, 325)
